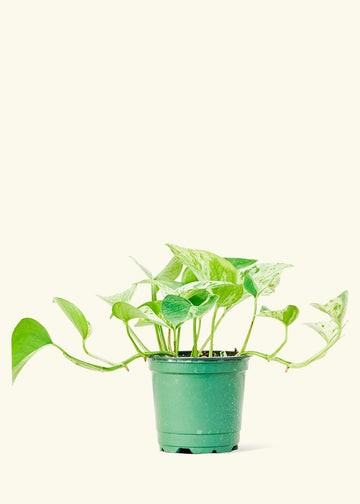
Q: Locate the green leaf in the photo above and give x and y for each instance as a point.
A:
(335, 308)
(228, 295)
(205, 265)
(265, 276)
(123, 297)
(287, 316)
(152, 311)
(145, 270)
(75, 315)
(190, 289)
(171, 271)
(199, 298)
(154, 306)
(188, 276)
(165, 286)
(175, 309)
(178, 310)
(240, 263)
(126, 312)
(27, 337)
(327, 330)
(200, 310)
(250, 286)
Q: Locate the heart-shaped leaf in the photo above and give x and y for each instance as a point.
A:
(75, 315)
(228, 295)
(171, 271)
(152, 311)
(287, 316)
(327, 330)
(239, 264)
(178, 310)
(123, 297)
(265, 277)
(250, 286)
(175, 309)
(205, 265)
(27, 337)
(335, 308)
(126, 312)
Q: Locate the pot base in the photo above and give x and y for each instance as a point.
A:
(197, 450)
(198, 443)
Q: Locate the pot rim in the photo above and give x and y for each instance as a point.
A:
(187, 358)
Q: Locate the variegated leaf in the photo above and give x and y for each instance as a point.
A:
(327, 330)
(205, 265)
(123, 297)
(152, 310)
(229, 295)
(287, 316)
(335, 308)
(265, 276)
(127, 312)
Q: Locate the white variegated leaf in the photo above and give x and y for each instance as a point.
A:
(205, 265)
(335, 308)
(287, 316)
(123, 297)
(265, 276)
(327, 330)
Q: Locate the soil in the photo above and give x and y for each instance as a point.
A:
(230, 353)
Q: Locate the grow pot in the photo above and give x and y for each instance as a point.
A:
(198, 402)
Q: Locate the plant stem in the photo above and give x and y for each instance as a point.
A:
(250, 328)
(194, 352)
(133, 342)
(282, 344)
(96, 357)
(138, 340)
(212, 332)
(216, 326)
(295, 365)
(96, 367)
(176, 340)
(169, 339)
(158, 329)
(266, 357)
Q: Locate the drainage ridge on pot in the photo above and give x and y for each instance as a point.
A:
(198, 402)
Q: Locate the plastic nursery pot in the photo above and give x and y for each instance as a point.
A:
(198, 402)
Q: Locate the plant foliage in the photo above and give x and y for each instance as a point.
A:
(193, 284)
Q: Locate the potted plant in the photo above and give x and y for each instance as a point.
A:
(198, 393)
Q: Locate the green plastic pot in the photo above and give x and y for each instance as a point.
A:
(198, 402)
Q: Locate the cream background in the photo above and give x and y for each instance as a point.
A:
(229, 126)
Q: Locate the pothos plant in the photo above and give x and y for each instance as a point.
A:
(195, 283)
